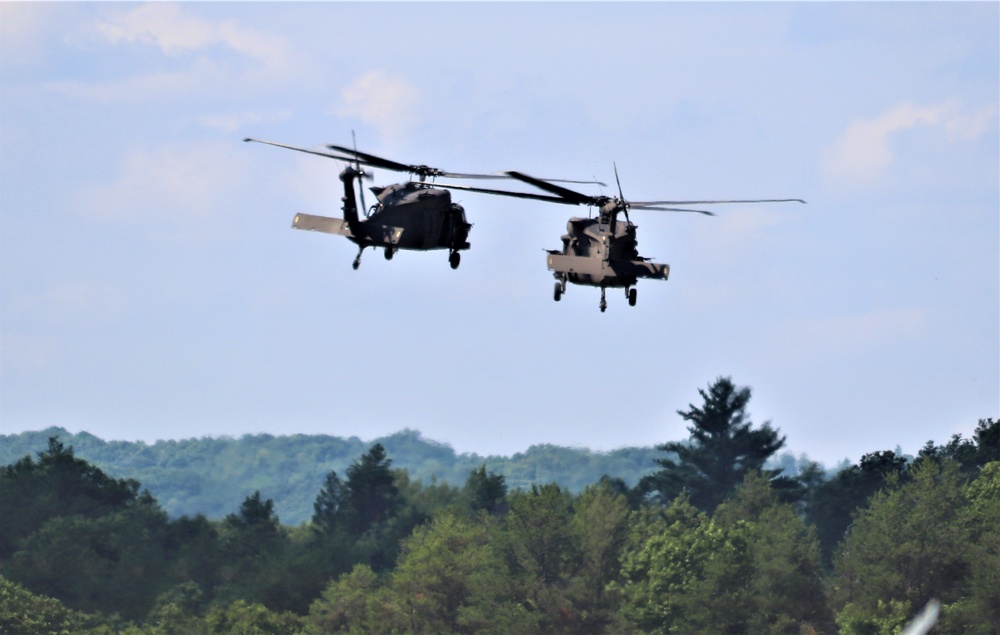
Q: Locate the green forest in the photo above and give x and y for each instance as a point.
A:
(713, 535)
(206, 475)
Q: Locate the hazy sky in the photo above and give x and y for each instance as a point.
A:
(152, 287)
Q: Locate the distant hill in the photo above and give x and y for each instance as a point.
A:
(212, 476)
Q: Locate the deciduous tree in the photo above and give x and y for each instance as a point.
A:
(691, 576)
(785, 590)
(57, 484)
(833, 504)
(910, 545)
(600, 527)
(450, 577)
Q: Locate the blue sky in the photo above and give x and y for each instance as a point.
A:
(152, 287)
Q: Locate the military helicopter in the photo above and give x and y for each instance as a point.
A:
(601, 252)
(411, 215)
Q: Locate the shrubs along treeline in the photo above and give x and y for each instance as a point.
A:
(699, 544)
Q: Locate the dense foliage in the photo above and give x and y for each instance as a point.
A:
(83, 552)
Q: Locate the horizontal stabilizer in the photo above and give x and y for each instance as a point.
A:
(576, 264)
(598, 268)
(321, 224)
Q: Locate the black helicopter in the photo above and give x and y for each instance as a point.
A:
(408, 215)
(411, 215)
(601, 252)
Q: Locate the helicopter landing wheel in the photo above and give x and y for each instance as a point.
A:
(557, 294)
(604, 302)
(389, 253)
(356, 263)
(454, 259)
(631, 297)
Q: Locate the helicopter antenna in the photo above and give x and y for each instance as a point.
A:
(357, 166)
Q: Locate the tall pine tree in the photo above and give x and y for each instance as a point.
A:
(723, 448)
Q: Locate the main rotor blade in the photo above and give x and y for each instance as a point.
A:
(672, 209)
(503, 176)
(373, 160)
(601, 183)
(763, 200)
(483, 190)
(566, 195)
(422, 170)
(462, 175)
(315, 151)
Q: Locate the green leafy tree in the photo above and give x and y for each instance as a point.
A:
(600, 527)
(110, 564)
(785, 592)
(363, 518)
(194, 554)
(833, 503)
(685, 573)
(724, 447)
(371, 495)
(245, 618)
(328, 504)
(26, 613)
(450, 578)
(485, 492)
(970, 454)
(356, 603)
(542, 552)
(176, 611)
(910, 545)
(978, 613)
(57, 484)
(254, 547)
(254, 530)
(330, 548)
(987, 438)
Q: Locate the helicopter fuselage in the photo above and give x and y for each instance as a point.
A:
(408, 215)
(601, 252)
(417, 217)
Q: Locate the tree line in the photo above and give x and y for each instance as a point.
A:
(205, 475)
(711, 540)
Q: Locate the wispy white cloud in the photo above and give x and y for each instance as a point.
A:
(139, 88)
(203, 55)
(384, 100)
(177, 31)
(231, 122)
(24, 27)
(863, 152)
(182, 185)
(973, 124)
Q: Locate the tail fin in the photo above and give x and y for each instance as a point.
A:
(350, 205)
